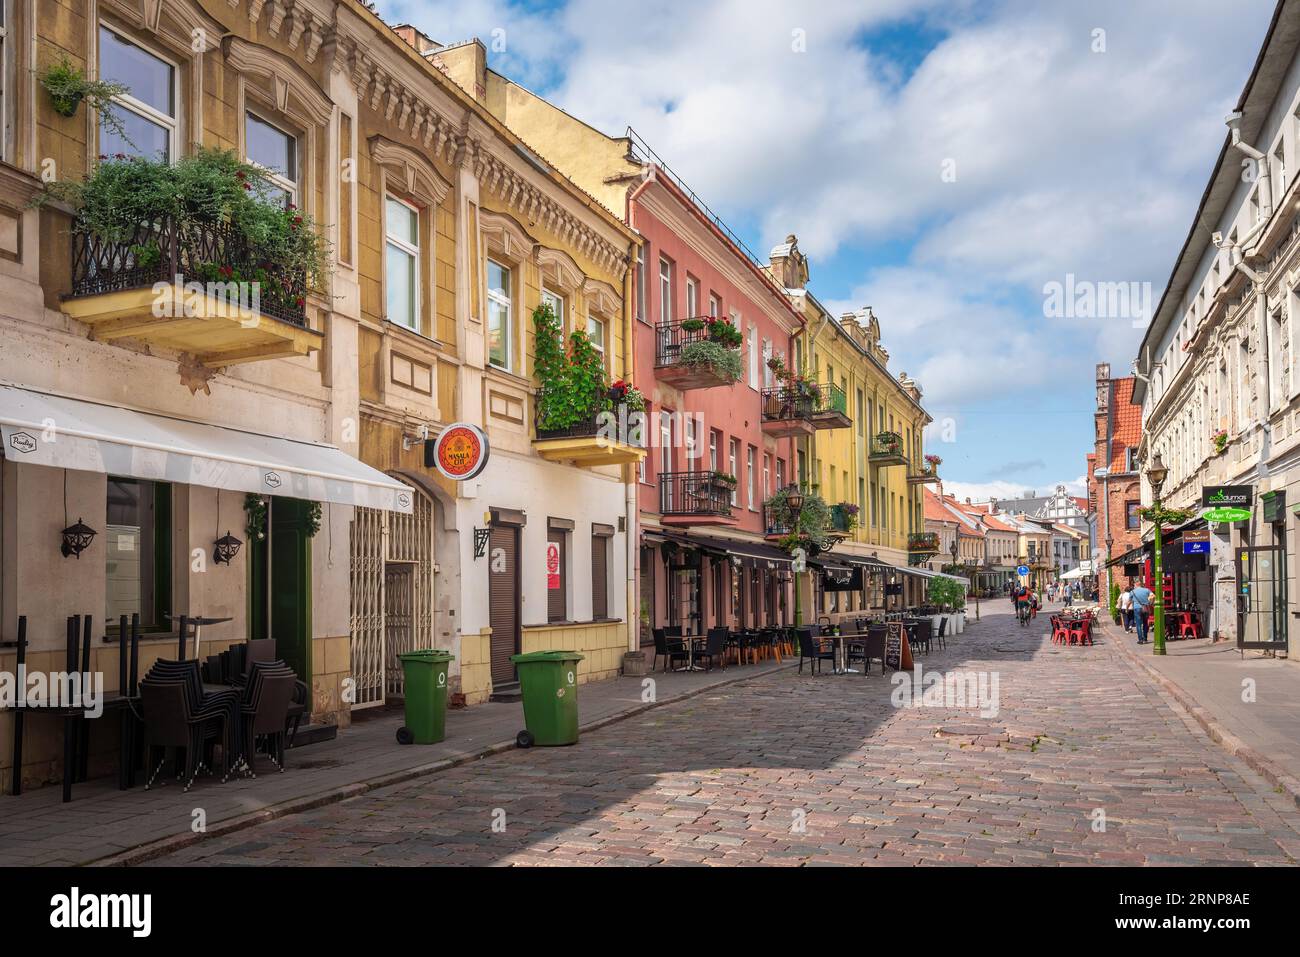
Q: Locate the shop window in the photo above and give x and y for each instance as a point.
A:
(147, 112)
(402, 262)
(138, 537)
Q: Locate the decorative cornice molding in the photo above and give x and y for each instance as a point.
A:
(602, 296)
(560, 268)
(193, 19)
(285, 76)
(419, 177)
(294, 21)
(503, 230)
(516, 193)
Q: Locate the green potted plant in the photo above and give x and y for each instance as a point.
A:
(694, 324)
(1220, 440)
(724, 361)
(68, 87)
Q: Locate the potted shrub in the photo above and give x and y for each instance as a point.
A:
(1220, 440)
(693, 324)
(68, 86)
(723, 332)
(724, 361)
(724, 481)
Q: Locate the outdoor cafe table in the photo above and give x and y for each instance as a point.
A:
(74, 763)
(840, 666)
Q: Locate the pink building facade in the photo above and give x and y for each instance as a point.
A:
(705, 560)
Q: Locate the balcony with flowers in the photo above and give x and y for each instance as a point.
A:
(698, 353)
(930, 472)
(194, 256)
(921, 547)
(578, 416)
(696, 498)
(798, 406)
(887, 449)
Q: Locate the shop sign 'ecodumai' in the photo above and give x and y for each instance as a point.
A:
(1226, 503)
(460, 451)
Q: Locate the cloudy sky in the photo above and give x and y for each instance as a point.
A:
(942, 162)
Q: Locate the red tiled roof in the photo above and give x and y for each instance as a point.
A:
(1126, 423)
(934, 508)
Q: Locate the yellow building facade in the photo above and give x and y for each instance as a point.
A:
(876, 463)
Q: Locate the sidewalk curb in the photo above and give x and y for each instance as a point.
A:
(166, 845)
(1220, 735)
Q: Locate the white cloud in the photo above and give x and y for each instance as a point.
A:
(1002, 490)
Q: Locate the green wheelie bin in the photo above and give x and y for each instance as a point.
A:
(549, 682)
(425, 676)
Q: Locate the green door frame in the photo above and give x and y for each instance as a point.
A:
(287, 616)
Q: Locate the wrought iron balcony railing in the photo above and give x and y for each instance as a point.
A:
(695, 493)
(805, 400)
(208, 254)
(887, 447)
(776, 520)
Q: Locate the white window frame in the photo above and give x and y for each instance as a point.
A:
(692, 297)
(129, 103)
(290, 186)
(733, 456)
(404, 246)
(769, 377)
(557, 306)
(751, 466)
(665, 289)
(593, 319)
(751, 346)
(507, 301)
(713, 450)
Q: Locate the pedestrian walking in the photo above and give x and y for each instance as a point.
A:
(1142, 597)
(1126, 607)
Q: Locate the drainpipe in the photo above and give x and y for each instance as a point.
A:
(1262, 326)
(630, 486)
(1262, 165)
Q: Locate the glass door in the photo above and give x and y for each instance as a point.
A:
(1261, 597)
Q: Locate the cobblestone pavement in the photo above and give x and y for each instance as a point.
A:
(796, 770)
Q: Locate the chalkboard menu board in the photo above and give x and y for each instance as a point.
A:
(894, 645)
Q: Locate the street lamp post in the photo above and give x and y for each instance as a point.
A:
(794, 502)
(1156, 474)
(1110, 573)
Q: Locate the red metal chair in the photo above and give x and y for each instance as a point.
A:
(1081, 632)
(1188, 626)
(1060, 632)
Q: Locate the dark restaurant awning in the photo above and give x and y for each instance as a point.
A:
(754, 552)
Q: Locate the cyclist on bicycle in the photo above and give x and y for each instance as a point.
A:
(1022, 597)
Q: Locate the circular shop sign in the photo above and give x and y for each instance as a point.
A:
(461, 451)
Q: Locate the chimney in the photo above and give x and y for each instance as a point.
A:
(789, 266)
(420, 42)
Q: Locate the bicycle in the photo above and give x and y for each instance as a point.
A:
(1022, 613)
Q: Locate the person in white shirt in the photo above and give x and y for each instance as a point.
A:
(1126, 608)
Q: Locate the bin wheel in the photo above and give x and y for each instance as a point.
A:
(404, 735)
(524, 740)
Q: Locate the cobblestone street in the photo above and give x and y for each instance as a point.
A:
(790, 769)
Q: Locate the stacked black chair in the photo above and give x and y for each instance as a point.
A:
(264, 710)
(179, 714)
(263, 649)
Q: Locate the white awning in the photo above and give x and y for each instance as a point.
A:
(43, 429)
(920, 572)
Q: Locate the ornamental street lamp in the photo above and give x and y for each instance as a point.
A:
(794, 504)
(1156, 475)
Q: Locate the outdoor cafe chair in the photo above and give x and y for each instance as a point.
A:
(810, 649)
(868, 649)
(263, 649)
(264, 711)
(943, 627)
(670, 651)
(920, 633)
(1081, 632)
(171, 722)
(715, 646)
(1188, 625)
(1060, 631)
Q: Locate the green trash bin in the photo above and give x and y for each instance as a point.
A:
(425, 676)
(549, 682)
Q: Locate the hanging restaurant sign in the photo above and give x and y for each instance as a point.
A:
(1196, 542)
(842, 579)
(460, 452)
(1226, 503)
